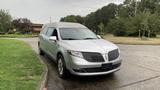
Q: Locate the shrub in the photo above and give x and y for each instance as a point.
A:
(2, 33)
(18, 33)
(10, 32)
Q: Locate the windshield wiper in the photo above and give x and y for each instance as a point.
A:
(89, 38)
(69, 39)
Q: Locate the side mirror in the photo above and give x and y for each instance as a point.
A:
(99, 36)
(53, 38)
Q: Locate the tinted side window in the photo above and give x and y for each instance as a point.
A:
(49, 32)
(55, 33)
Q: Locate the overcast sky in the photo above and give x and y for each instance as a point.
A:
(39, 11)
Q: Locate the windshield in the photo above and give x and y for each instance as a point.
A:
(76, 34)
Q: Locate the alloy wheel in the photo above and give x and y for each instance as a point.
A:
(60, 66)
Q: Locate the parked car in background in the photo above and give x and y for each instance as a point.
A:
(77, 50)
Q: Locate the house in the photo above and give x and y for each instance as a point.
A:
(36, 28)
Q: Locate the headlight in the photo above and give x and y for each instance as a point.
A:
(75, 53)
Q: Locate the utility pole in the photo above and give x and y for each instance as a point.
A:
(50, 19)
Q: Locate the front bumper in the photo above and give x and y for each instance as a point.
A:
(95, 73)
(81, 67)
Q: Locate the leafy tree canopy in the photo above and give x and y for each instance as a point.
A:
(5, 21)
(132, 18)
(23, 25)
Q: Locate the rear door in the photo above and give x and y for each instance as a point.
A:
(51, 45)
(42, 36)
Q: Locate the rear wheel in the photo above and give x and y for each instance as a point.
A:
(61, 67)
(40, 50)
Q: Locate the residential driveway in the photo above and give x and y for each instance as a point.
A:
(140, 71)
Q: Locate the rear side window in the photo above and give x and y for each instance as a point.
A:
(50, 31)
(44, 30)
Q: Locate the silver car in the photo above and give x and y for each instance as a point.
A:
(77, 50)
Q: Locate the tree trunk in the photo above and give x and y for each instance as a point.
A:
(143, 35)
(139, 35)
(149, 32)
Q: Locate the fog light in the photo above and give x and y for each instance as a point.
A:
(79, 70)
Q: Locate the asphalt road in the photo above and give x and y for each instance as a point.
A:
(140, 71)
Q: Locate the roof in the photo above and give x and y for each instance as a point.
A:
(65, 25)
(35, 24)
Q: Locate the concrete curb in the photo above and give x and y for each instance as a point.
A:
(43, 82)
(44, 79)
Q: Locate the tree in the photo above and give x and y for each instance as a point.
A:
(93, 19)
(90, 22)
(73, 18)
(108, 12)
(147, 5)
(23, 25)
(70, 18)
(128, 2)
(126, 11)
(132, 18)
(117, 27)
(5, 21)
(101, 28)
(154, 24)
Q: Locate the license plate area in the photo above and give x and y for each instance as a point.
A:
(107, 66)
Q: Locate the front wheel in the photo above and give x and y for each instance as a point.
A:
(61, 67)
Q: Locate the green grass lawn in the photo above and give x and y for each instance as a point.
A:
(20, 69)
(18, 36)
(132, 40)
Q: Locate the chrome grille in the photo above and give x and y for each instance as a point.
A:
(93, 57)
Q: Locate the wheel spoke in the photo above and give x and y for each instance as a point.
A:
(60, 66)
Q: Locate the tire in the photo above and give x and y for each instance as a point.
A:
(61, 67)
(112, 74)
(41, 52)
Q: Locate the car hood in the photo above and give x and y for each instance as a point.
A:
(98, 45)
